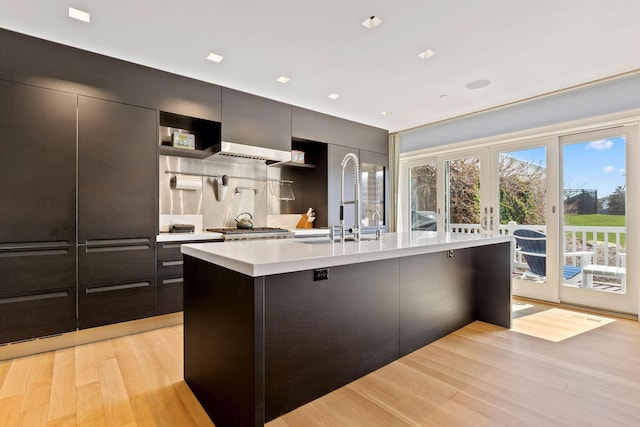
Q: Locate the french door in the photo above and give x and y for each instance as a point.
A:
(544, 185)
(594, 218)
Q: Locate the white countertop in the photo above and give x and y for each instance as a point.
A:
(185, 237)
(274, 256)
(209, 235)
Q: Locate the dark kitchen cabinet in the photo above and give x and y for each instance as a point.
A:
(117, 212)
(35, 61)
(37, 290)
(37, 212)
(37, 164)
(314, 126)
(116, 171)
(253, 120)
(35, 269)
(170, 276)
(116, 281)
(38, 314)
(116, 302)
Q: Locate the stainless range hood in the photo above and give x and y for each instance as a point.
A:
(269, 155)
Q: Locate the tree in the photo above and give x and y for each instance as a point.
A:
(617, 201)
(522, 191)
(423, 188)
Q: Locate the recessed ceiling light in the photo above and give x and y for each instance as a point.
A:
(477, 84)
(334, 96)
(79, 15)
(386, 113)
(426, 54)
(283, 79)
(215, 57)
(372, 22)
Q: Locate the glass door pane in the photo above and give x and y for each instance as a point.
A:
(594, 237)
(462, 195)
(522, 183)
(423, 198)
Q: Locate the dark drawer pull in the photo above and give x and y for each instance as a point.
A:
(172, 281)
(171, 245)
(170, 263)
(116, 248)
(33, 245)
(111, 242)
(34, 297)
(117, 287)
(43, 252)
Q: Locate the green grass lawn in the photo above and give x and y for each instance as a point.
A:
(598, 220)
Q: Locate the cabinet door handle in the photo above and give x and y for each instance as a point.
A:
(33, 245)
(118, 242)
(117, 287)
(116, 248)
(171, 245)
(172, 263)
(172, 281)
(43, 252)
(37, 297)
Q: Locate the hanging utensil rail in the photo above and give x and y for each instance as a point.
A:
(230, 176)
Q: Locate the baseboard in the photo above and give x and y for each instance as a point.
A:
(85, 336)
(629, 316)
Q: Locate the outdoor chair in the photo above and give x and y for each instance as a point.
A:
(533, 246)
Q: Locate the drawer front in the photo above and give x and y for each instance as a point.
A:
(120, 302)
(171, 250)
(113, 263)
(170, 267)
(170, 295)
(37, 269)
(37, 314)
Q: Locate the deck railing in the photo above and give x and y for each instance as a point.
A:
(607, 243)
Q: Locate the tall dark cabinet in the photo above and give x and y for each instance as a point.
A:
(37, 212)
(116, 212)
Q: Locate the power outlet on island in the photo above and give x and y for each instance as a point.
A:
(320, 274)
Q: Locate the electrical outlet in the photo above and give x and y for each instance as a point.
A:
(450, 254)
(320, 274)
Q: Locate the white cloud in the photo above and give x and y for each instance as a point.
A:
(601, 144)
(623, 171)
(609, 169)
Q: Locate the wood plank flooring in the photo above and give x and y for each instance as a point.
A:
(481, 375)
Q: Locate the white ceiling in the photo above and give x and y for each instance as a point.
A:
(524, 47)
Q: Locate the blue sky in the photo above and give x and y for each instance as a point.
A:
(597, 164)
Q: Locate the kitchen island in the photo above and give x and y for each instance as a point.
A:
(272, 324)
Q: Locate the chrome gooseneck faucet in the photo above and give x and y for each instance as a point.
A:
(356, 201)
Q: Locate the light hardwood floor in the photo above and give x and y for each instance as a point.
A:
(481, 375)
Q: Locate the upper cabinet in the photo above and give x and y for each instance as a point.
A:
(46, 64)
(253, 120)
(37, 164)
(314, 126)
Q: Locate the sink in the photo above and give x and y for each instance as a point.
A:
(326, 241)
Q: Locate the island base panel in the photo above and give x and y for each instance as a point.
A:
(436, 297)
(223, 350)
(321, 335)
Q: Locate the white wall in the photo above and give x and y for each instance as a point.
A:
(607, 97)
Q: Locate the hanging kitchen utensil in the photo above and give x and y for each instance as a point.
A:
(282, 190)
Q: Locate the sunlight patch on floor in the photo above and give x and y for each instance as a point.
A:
(517, 306)
(557, 324)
